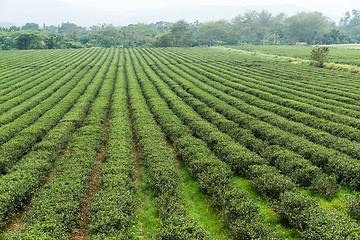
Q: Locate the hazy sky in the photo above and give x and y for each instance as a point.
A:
(89, 12)
(335, 7)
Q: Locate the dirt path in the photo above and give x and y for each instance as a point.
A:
(138, 169)
(15, 225)
(172, 152)
(84, 215)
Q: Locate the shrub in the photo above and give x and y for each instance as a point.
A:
(319, 55)
(353, 206)
(269, 181)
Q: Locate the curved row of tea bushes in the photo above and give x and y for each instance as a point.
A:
(237, 157)
(341, 86)
(288, 91)
(331, 122)
(322, 75)
(273, 86)
(341, 144)
(34, 107)
(213, 176)
(18, 99)
(332, 162)
(251, 66)
(20, 67)
(18, 84)
(314, 221)
(24, 106)
(11, 151)
(113, 208)
(18, 58)
(342, 126)
(164, 179)
(54, 211)
(302, 171)
(24, 179)
(267, 180)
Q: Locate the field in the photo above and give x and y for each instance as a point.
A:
(342, 54)
(176, 143)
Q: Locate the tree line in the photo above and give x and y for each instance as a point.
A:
(251, 27)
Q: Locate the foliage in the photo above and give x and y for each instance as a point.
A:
(213, 33)
(303, 213)
(291, 135)
(353, 206)
(308, 27)
(249, 28)
(164, 40)
(342, 54)
(30, 26)
(27, 41)
(351, 22)
(319, 55)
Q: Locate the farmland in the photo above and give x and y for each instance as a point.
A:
(341, 54)
(176, 143)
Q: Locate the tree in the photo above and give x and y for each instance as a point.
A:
(250, 26)
(6, 42)
(26, 40)
(337, 36)
(263, 23)
(71, 31)
(237, 27)
(50, 41)
(164, 40)
(319, 55)
(31, 26)
(278, 28)
(351, 23)
(350, 20)
(139, 34)
(59, 40)
(51, 29)
(212, 32)
(181, 32)
(162, 26)
(14, 29)
(106, 36)
(308, 27)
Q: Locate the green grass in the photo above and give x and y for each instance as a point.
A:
(196, 202)
(337, 203)
(271, 217)
(149, 218)
(336, 55)
(199, 206)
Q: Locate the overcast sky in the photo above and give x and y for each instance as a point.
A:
(89, 12)
(333, 7)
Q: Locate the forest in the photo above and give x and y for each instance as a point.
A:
(249, 28)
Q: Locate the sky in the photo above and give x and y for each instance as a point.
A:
(317, 5)
(120, 12)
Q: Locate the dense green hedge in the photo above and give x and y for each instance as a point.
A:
(213, 176)
(54, 211)
(315, 222)
(113, 208)
(164, 178)
(245, 137)
(330, 160)
(14, 149)
(266, 179)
